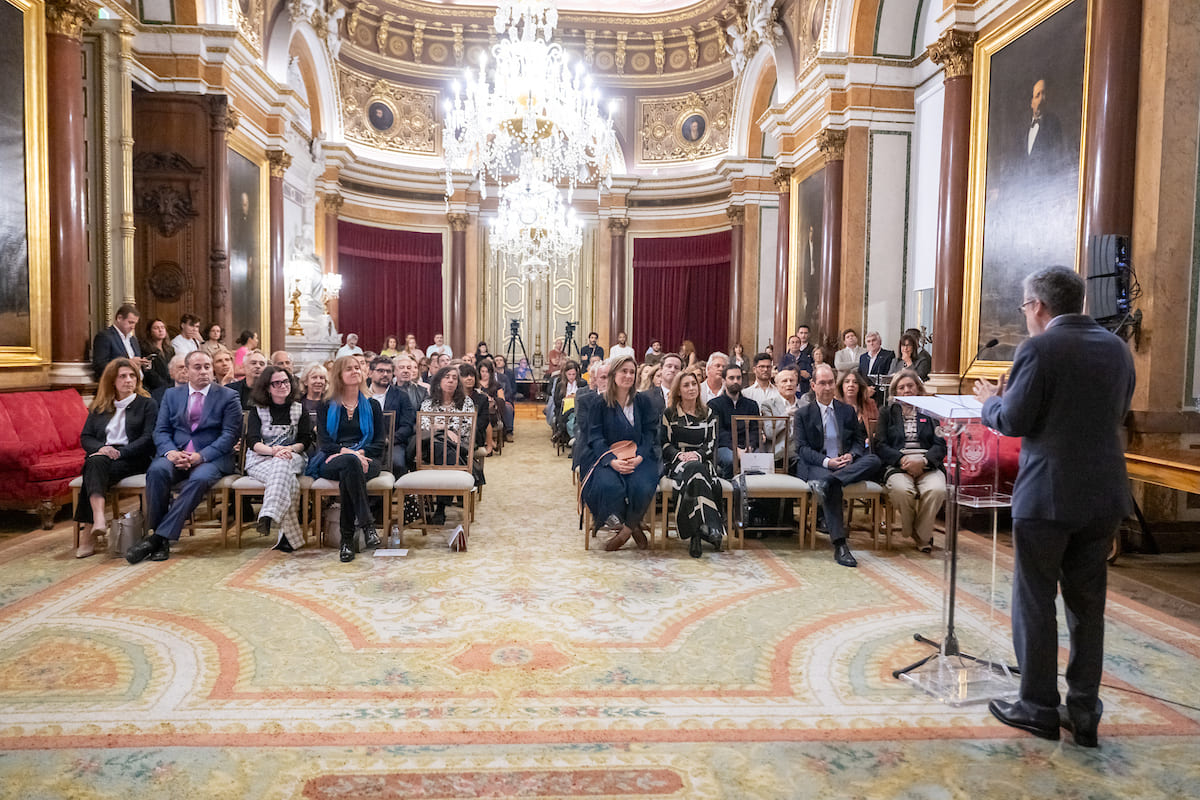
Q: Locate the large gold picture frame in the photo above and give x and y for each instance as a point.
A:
(27, 344)
(261, 222)
(1025, 188)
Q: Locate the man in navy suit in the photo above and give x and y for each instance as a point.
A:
(1071, 493)
(118, 341)
(198, 426)
(831, 450)
(876, 361)
(392, 398)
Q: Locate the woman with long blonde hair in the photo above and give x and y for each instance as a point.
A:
(118, 438)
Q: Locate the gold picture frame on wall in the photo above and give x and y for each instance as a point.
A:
(249, 237)
(1028, 112)
(24, 214)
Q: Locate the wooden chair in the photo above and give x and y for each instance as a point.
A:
(381, 485)
(451, 475)
(245, 486)
(133, 486)
(777, 485)
(666, 490)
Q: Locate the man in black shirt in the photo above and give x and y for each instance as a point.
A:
(591, 350)
(727, 405)
(254, 362)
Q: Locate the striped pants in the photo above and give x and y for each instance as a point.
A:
(281, 497)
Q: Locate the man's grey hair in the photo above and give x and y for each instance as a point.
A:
(716, 354)
(177, 361)
(873, 333)
(188, 358)
(1059, 289)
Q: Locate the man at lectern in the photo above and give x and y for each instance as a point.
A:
(1071, 492)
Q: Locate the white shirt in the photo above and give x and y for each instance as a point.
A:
(437, 350)
(183, 346)
(846, 359)
(379, 395)
(707, 394)
(115, 434)
(348, 350)
(621, 350)
(760, 395)
(126, 340)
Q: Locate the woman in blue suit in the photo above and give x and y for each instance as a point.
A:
(618, 491)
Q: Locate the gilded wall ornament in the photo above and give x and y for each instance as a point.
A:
(685, 127)
(397, 118)
(249, 14)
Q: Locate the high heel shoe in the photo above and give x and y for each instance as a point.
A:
(87, 543)
(347, 552)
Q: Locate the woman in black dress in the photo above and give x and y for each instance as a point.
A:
(689, 447)
(156, 346)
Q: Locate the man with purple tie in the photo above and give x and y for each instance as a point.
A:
(198, 426)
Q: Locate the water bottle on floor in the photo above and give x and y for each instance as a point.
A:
(394, 537)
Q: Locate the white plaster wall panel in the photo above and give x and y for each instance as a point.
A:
(927, 157)
(768, 231)
(897, 27)
(886, 251)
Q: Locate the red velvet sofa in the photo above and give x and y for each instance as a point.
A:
(39, 450)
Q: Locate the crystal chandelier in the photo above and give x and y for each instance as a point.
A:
(534, 228)
(536, 115)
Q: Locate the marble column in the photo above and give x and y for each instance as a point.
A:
(783, 182)
(457, 324)
(1108, 174)
(223, 120)
(617, 227)
(832, 144)
(737, 231)
(954, 50)
(66, 173)
(279, 161)
(333, 207)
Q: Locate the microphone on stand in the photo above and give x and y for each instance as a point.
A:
(988, 345)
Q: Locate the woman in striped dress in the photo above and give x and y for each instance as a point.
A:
(689, 445)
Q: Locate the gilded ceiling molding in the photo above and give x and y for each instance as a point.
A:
(333, 203)
(70, 17)
(279, 161)
(783, 179)
(832, 144)
(458, 222)
(685, 127)
(249, 15)
(955, 52)
(618, 225)
(566, 19)
(381, 114)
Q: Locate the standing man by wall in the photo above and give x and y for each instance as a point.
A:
(1070, 494)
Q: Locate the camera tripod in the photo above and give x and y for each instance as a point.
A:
(514, 338)
(569, 340)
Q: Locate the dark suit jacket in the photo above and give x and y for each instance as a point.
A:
(106, 346)
(1072, 467)
(140, 418)
(726, 410)
(923, 364)
(219, 430)
(810, 435)
(586, 402)
(883, 363)
(243, 392)
(608, 424)
(397, 400)
(889, 437)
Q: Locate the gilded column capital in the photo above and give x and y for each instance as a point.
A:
(458, 222)
(333, 203)
(70, 17)
(279, 160)
(222, 116)
(736, 214)
(618, 225)
(832, 144)
(955, 51)
(783, 179)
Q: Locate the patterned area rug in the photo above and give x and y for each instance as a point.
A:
(529, 667)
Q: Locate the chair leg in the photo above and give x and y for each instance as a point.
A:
(587, 528)
(237, 517)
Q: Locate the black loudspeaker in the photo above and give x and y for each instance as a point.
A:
(1108, 277)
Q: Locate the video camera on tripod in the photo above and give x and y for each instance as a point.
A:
(569, 339)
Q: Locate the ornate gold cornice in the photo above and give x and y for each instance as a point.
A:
(333, 203)
(955, 51)
(458, 222)
(832, 144)
(618, 225)
(736, 215)
(783, 179)
(279, 160)
(70, 17)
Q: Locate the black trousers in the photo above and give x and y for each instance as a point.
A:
(101, 473)
(352, 482)
(863, 468)
(1050, 554)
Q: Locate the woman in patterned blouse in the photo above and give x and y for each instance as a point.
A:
(689, 445)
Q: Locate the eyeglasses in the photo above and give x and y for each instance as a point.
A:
(280, 383)
(1021, 308)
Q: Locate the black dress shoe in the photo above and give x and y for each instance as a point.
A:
(283, 545)
(439, 517)
(347, 551)
(142, 549)
(694, 547)
(1084, 736)
(842, 555)
(371, 536)
(1014, 718)
(162, 553)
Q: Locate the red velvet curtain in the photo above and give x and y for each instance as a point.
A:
(681, 291)
(391, 284)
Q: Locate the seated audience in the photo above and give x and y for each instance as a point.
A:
(555, 358)
(410, 347)
(313, 384)
(392, 398)
(924, 359)
(847, 358)
(687, 353)
(439, 348)
(714, 370)
(621, 348)
(586, 402)
(350, 438)
(818, 355)
(406, 380)
(157, 350)
(524, 371)
(212, 339)
(783, 403)
(282, 358)
(648, 378)
(254, 363)
(738, 356)
(444, 436)
(501, 411)
(655, 352)
(278, 434)
(222, 366)
(188, 340)
(906, 355)
(391, 346)
(668, 372)
(831, 450)
(197, 429)
(726, 405)
(689, 448)
(484, 434)
(564, 402)
(481, 352)
(350, 348)
(762, 388)
(619, 490)
(799, 353)
(118, 341)
(912, 454)
(854, 391)
(506, 381)
(177, 367)
(118, 438)
(592, 349)
(424, 370)
(876, 360)
(247, 340)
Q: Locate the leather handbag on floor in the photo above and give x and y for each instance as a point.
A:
(332, 536)
(125, 531)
